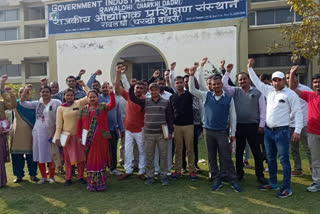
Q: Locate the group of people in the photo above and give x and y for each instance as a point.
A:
(162, 118)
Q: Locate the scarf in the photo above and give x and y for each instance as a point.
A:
(67, 104)
(28, 115)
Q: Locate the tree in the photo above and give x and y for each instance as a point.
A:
(304, 37)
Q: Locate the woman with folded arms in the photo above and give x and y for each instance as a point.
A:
(73, 150)
(93, 121)
(43, 130)
(7, 102)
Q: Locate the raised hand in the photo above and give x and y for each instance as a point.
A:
(123, 69)
(119, 69)
(43, 81)
(196, 64)
(133, 82)
(98, 72)
(156, 74)
(81, 72)
(192, 70)
(28, 87)
(222, 63)
(203, 61)
(294, 69)
(229, 68)
(4, 78)
(187, 71)
(250, 63)
(172, 66)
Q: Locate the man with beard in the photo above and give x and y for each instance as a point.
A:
(313, 124)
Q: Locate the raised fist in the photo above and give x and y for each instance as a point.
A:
(203, 61)
(172, 66)
(81, 72)
(156, 74)
(98, 72)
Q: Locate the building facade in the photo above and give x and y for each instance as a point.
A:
(30, 50)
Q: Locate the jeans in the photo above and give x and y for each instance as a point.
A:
(18, 162)
(278, 141)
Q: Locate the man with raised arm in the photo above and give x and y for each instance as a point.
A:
(295, 151)
(281, 103)
(251, 113)
(133, 123)
(313, 124)
(218, 109)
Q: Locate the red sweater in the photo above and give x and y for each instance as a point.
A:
(134, 119)
(313, 101)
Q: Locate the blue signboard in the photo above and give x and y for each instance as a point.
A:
(97, 15)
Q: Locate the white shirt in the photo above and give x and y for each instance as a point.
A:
(202, 95)
(280, 104)
(304, 106)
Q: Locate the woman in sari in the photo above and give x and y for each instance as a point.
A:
(73, 150)
(7, 102)
(93, 121)
(43, 129)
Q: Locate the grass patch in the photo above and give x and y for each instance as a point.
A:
(181, 196)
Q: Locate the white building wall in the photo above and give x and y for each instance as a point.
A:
(183, 47)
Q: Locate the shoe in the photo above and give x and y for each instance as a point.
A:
(193, 176)
(296, 173)
(266, 169)
(123, 176)
(149, 181)
(142, 177)
(52, 181)
(68, 183)
(42, 180)
(165, 181)
(17, 180)
(236, 187)
(269, 187)
(81, 181)
(34, 179)
(283, 193)
(262, 180)
(115, 172)
(156, 173)
(314, 187)
(246, 164)
(175, 175)
(216, 185)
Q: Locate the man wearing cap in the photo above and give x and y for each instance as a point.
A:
(157, 113)
(281, 103)
(313, 125)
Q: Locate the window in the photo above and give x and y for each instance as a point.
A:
(34, 31)
(144, 71)
(8, 34)
(9, 15)
(10, 70)
(273, 16)
(34, 13)
(274, 60)
(37, 69)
